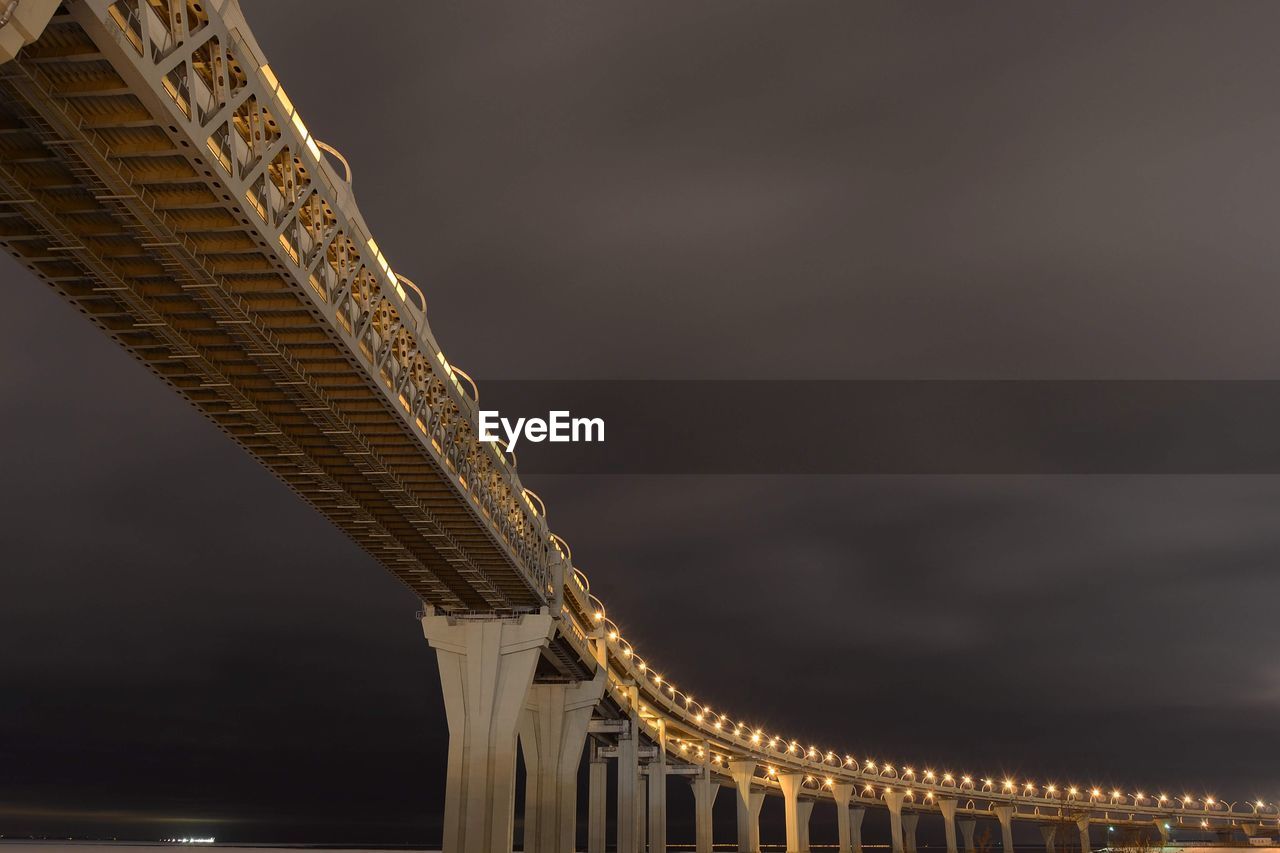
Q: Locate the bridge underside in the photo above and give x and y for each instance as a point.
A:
(120, 214)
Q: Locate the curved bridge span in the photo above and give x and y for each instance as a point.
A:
(155, 173)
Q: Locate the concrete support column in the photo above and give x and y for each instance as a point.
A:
(909, 822)
(658, 798)
(791, 784)
(1162, 827)
(753, 839)
(629, 817)
(598, 794)
(804, 811)
(642, 814)
(967, 827)
(553, 730)
(1005, 816)
(1047, 832)
(841, 792)
(893, 799)
(947, 806)
(856, 814)
(743, 772)
(1083, 825)
(486, 669)
(704, 798)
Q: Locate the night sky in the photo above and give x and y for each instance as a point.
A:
(717, 191)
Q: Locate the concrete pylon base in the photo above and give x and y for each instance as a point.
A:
(856, 814)
(598, 794)
(704, 799)
(842, 792)
(743, 772)
(658, 802)
(1048, 832)
(947, 806)
(642, 815)
(1005, 816)
(553, 730)
(910, 821)
(804, 811)
(1083, 825)
(486, 668)
(757, 802)
(967, 826)
(893, 799)
(790, 783)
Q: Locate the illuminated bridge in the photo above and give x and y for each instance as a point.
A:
(154, 172)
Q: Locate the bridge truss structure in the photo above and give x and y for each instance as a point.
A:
(154, 172)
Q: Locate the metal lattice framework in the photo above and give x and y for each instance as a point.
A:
(155, 173)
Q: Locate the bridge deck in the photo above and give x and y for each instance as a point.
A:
(259, 310)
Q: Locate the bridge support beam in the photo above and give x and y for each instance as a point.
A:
(743, 771)
(804, 811)
(947, 806)
(486, 669)
(967, 826)
(1083, 825)
(856, 814)
(642, 814)
(1048, 831)
(757, 803)
(704, 798)
(598, 795)
(791, 784)
(909, 822)
(841, 792)
(630, 812)
(658, 796)
(1005, 816)
(893, 799)
(1162, 827)
(553, 730)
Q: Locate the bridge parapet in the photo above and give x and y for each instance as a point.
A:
(220, 99)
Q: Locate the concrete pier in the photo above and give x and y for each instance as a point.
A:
(842, 792)
(1048, 831)
(893, 799)
(629, 816)
(1005, 815)
(948, 808)
(791, 784)
(704, 798)
(856, 814)
(967, 826)
(743, 772)
(553, 730)
(757, 803)
(804, 811)
(909, 822)
(486, 669)
(598, 795)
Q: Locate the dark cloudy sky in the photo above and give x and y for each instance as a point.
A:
(710, 190)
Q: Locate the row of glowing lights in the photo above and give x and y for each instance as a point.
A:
(702, 714)
(870, 790)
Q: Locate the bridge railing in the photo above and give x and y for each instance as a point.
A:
(696, 725)
(230, 103)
